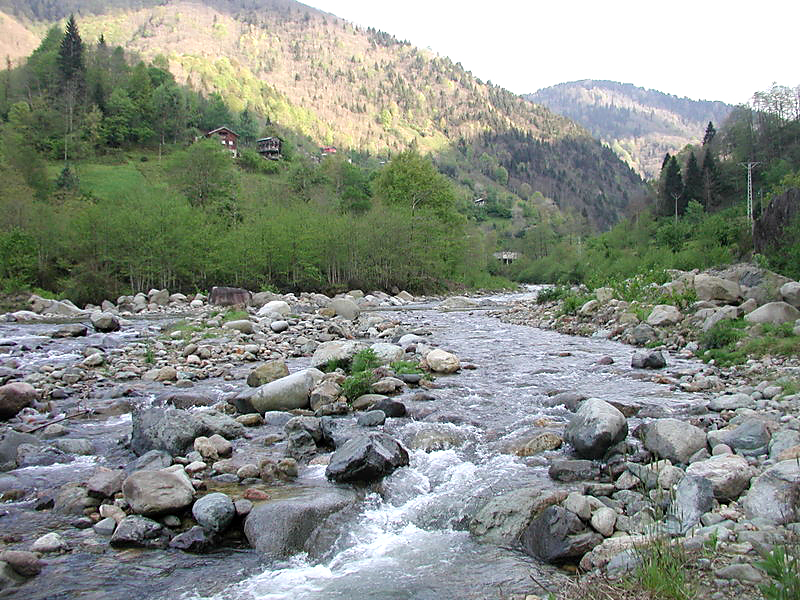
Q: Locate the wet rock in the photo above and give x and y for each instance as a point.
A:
(642, 334)
(391, 408)
(79, 446)
(50, 542)
(567, 470)
(503, 519)
(136, 531)
(440, 361)
(282, 528)
(730, 402)
(14, 397)
(105, 527)
(570, 400)
(541, 442)
(105, 482)
(184, 400)
(648, 359)
(373, 418)
(157, 492)
(72, 499)
(229, 296)
(196, 540)
(366, 458)
(773, 495)
(26, 564)
(214, 511)
(751, 438)
(436, 437)
(112, 511)
(301, 445)
(387, 385)
(9, 578)
(729, 475)
(775, 313)
(556, 535)
(71, 331)
(168, 429)
(268, 372)
(673, 439)
(216, 423)
(153, 460)
(30, 455)
(104, 322)
(595, 427)
(287, 393)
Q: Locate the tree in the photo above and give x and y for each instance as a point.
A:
(709, 135)
(72, 73)
(206, 175)
(248, 129)
(710, 174)
(411, 180)
(693, 185)
(672, 188)
(169, 111)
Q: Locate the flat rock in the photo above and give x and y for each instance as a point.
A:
(775, 313)
(157, 492)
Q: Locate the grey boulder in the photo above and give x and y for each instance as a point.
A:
(558, 534)
(366, 458)
(775, 313)
(287, 393)
(157, 492)
(214, 511)
(595, 427)
(673, 439)
(775, 494)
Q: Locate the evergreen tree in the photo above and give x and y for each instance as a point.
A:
(248, 128)
(70, 54)
(693, 185)
(672, 191)
(710, 173)
(709, 135)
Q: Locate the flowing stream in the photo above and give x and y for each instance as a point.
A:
(411, 540)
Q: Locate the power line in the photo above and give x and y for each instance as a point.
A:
(749, 166)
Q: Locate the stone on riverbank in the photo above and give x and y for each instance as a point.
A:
(595, 427)
(729, 475)
(214, 511)
(286, 393)
(673, 439)
(14, 397)
(709, 287)
(229, 296)
(773, 495)
(503, 519)
(366, 458)
(104, 322)
(558, 534)
(440, 361)
(157, 492)
(775, 313)
(136, 531)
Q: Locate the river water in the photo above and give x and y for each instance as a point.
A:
(411, 540)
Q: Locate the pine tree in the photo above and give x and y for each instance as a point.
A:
(693, 185)
(672, 192)
(710, 173)
(70, 54)
(709, 135)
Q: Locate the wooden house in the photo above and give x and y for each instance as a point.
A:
(227, 137)
(506, 257)
(269, 147)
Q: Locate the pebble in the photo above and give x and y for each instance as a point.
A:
(50, 542)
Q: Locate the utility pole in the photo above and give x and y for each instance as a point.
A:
(749, 166)
(676, 197)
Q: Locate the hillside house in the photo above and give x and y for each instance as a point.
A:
(506, 257)
(227, 137)
(327, 150)
(269, 147)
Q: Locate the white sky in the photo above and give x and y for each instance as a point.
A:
(702, 49)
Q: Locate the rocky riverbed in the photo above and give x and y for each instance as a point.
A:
(163, 445)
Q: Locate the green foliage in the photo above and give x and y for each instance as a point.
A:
(364, 360)
(18, 258)
(205, 174)
(723, 334)
(406, 367)
(662, 570)
(234, 315)
(782, 567)
(357, 385)
(572, 302)
(552, 294)
(410, 180)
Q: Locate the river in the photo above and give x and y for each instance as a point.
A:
(410, 541)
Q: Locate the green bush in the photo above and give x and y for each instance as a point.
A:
(723, 334)
(406, 367)
(662, 570)
(358, 384)
(783, 569)
(364, 360)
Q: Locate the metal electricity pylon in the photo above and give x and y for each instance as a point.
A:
(749, 166)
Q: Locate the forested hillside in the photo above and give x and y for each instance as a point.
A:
(640, 125)
(357, 89)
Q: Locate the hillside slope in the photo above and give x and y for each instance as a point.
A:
(640, 125)
(357, 89)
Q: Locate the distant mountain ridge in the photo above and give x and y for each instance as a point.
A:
(639, 124)
(363, 90)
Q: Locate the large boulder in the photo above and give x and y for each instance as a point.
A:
(388, 353)
(709, 287)
(63, 308)
(345, 308)
(663, 315)
(648, 359)
(104, 322)
(14, 397)
(673, 439)
(694, 496)
(287, 393)
(10, 441)
(503, 519)
(729, 475)
(229, 296)
(775, 494)
(278, 307)
(366, 458)
(139, 532)
(336, 351)
(775, 313)
(158, 492)
(457, 303)
(790, 292)
(558, 534)
(169, 429)
(595, 428)
(282, 528)
(440, 361)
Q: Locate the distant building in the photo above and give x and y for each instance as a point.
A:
(506, 257)
(269, 147)
(227, 137)
(327, 150)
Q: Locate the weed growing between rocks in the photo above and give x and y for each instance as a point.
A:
(234, 315)
(662, 570)
(782, 565)
(361, 374)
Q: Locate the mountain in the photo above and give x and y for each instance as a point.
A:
(639, 124)
(361, 90)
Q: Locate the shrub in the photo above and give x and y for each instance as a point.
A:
(364, 360)
(782, 568)
(723, 334)
(662, 570)
(358, 384)
(406, 367)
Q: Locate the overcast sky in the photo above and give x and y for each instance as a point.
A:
(702, 49)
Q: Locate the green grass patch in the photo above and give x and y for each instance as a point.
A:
(406, 367)
(662, 570)
(235, 315)
(783, 568)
